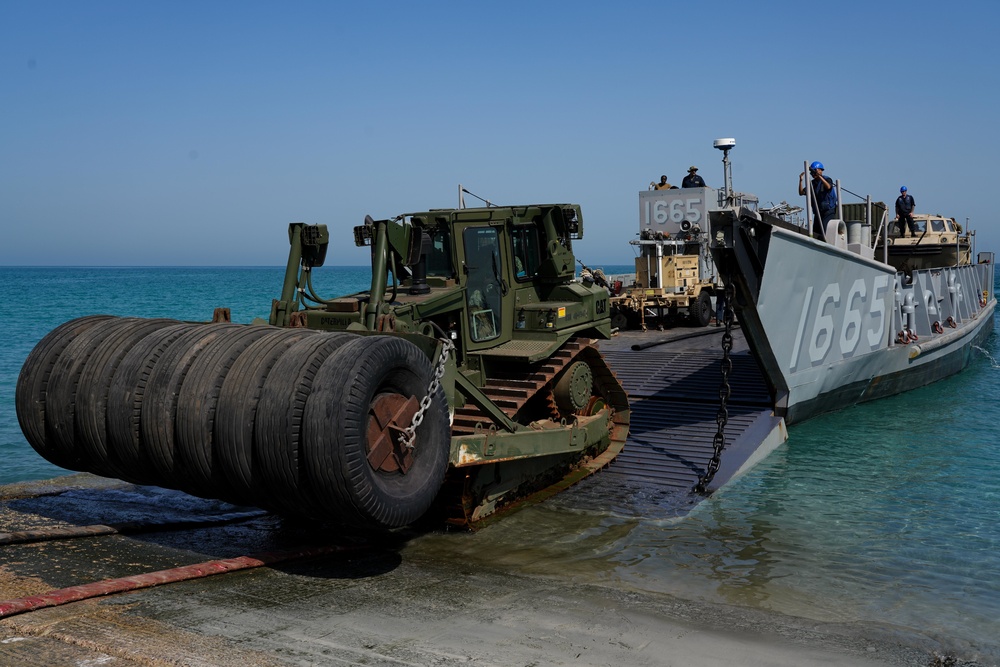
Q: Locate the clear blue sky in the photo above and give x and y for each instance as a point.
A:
(191, 133)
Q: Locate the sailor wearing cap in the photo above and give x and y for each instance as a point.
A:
(693, 180)
(825, 196)
(904, 212)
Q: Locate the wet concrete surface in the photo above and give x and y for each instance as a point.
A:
(412, 599)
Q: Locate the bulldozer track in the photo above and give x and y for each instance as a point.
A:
(512, 390)
(515, 392)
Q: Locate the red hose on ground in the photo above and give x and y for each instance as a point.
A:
(198, 571)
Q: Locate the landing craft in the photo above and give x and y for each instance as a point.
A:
(857, 315)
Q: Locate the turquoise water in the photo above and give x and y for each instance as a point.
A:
(886, 513)
(33, 301)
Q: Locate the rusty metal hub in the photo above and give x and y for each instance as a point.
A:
(388, 417)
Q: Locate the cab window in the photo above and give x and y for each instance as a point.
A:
(937, 225)
(439, 258)
(526, 255)
(483, 283)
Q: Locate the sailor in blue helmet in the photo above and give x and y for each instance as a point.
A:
(825, 196)
(904, 212)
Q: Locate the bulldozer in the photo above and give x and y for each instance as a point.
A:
(464, 383)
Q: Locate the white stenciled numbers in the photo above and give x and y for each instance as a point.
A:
(675, 210)
(850, 333)
(822, 332)
(831, 318)
(878, 311)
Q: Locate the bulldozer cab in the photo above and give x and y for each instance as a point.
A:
(509, 259)
(498, 281)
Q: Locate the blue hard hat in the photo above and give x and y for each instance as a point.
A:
(816, 165)
(903, 189)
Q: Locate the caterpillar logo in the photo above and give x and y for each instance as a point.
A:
(601, 306)
(328, 321)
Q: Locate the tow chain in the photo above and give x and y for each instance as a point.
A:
(722, 416)
(409, 434)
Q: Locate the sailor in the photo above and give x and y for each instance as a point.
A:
(825, 196)
(904, 212)
(720, 307)
(663, 185)
(693, 180)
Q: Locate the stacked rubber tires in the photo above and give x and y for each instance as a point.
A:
(255, 415)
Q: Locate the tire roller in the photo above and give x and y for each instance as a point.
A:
(463, 383)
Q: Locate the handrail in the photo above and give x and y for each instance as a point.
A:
(885, 241)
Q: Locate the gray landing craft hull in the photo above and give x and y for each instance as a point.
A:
(823, 321)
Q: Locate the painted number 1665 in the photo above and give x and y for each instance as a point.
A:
(835, 318)
(674, 210)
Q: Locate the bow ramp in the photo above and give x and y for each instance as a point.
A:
(674, 386)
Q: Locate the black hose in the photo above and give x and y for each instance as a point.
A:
(662, 341)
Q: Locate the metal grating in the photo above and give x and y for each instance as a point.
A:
(674, 398)
(521, 349)
(690, 376)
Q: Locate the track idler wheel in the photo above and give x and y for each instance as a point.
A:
(574, 387)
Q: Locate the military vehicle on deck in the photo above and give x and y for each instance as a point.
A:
(675, 277)
(937, 241)
(464, 381)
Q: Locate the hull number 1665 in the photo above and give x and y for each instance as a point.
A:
(844, 320)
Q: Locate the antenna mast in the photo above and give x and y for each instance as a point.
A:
(725, 145)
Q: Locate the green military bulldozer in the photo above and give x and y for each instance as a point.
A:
(464, 382)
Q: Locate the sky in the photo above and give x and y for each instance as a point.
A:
(191, 133)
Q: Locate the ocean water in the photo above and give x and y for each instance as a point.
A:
(886, 514)
(35, 300)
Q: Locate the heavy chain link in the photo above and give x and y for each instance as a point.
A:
(409, 434)
(722, 416)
